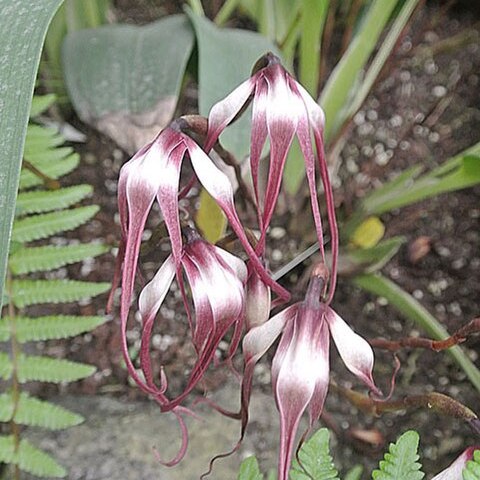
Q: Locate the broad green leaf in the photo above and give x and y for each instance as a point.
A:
(315, 460)
(45, 225)
(32, 292)
(225, 59)
(462, 171)
(125, 79)
(40, 103)
(22, 32)
(210, 218)
(412, 309)
(249, 470)
(52, 170)
(335, 95)
(50, 257)
(472, 468)
(36, 413)
(374, 258)
(47, 201)
(400, 462)
(49, 328)
(45, 369)
(368, 233)
(32, 460)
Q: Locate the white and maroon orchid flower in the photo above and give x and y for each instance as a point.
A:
(300, 369)
(216, 281)
(281, 109)
(454, 471)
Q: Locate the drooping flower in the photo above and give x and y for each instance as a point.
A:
(281, 109)
(454, 471)
(216, 281)
(300, 369)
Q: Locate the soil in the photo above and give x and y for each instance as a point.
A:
(424, 109)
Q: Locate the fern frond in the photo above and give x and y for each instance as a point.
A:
(31, 292)
(6, 367)
(249, 470)
(42, 157)
(40, 103)
(315, 460)
(52, 170)
(40, 137)
(472, 468)
(401, 461)
(4, 330)
(54, 370)
(49, 328)
(50, 257)
(33, 412)
(48, 224)
(46, 201)
(7, 448)
(32, 460)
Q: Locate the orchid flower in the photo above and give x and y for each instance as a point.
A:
(217, 284)
(454, 471)
(281, 109)
(300, 369)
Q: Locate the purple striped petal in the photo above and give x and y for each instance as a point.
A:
(454, 471)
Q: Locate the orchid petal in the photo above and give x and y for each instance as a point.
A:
(257, 303)
(355, 351)
(223, 112)
(150, 300)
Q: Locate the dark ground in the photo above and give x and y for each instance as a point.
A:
(425, 109)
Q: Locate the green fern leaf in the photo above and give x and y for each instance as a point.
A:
(47, 201)
(54, 370)
(472, 468)
(401, 461)
(51, 327)
(4, 330)
(50, 257)
(355, 473)
(32, 460)
(7, 448)
(48, 224)
(40, 103)
(315, 460)
(42, 138)
(52, 170)
(31, 292)
(41, 158)
(249, 470)
(6, 367)
(36, 413)
(6, 407)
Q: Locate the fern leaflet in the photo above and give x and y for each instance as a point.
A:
(50, 257)
(54, 370)
(52, 170)
(472, 469)
(249, 470)
(40, 137)
(31, 292)
(315, 460)
(49, 327)
(41, 158)
(401, 460)
(46, 201)
(48, 224)
(32, 460)
(40, 103)
(6, 366)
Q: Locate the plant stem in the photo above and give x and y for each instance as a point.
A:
(226, 11)
(16, 351)
(196, 6)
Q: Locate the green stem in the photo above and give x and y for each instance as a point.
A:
(410, 308)
(196, 6)
(226, 11)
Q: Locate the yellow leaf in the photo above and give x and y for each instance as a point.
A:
(210, 218)
(368, 233)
